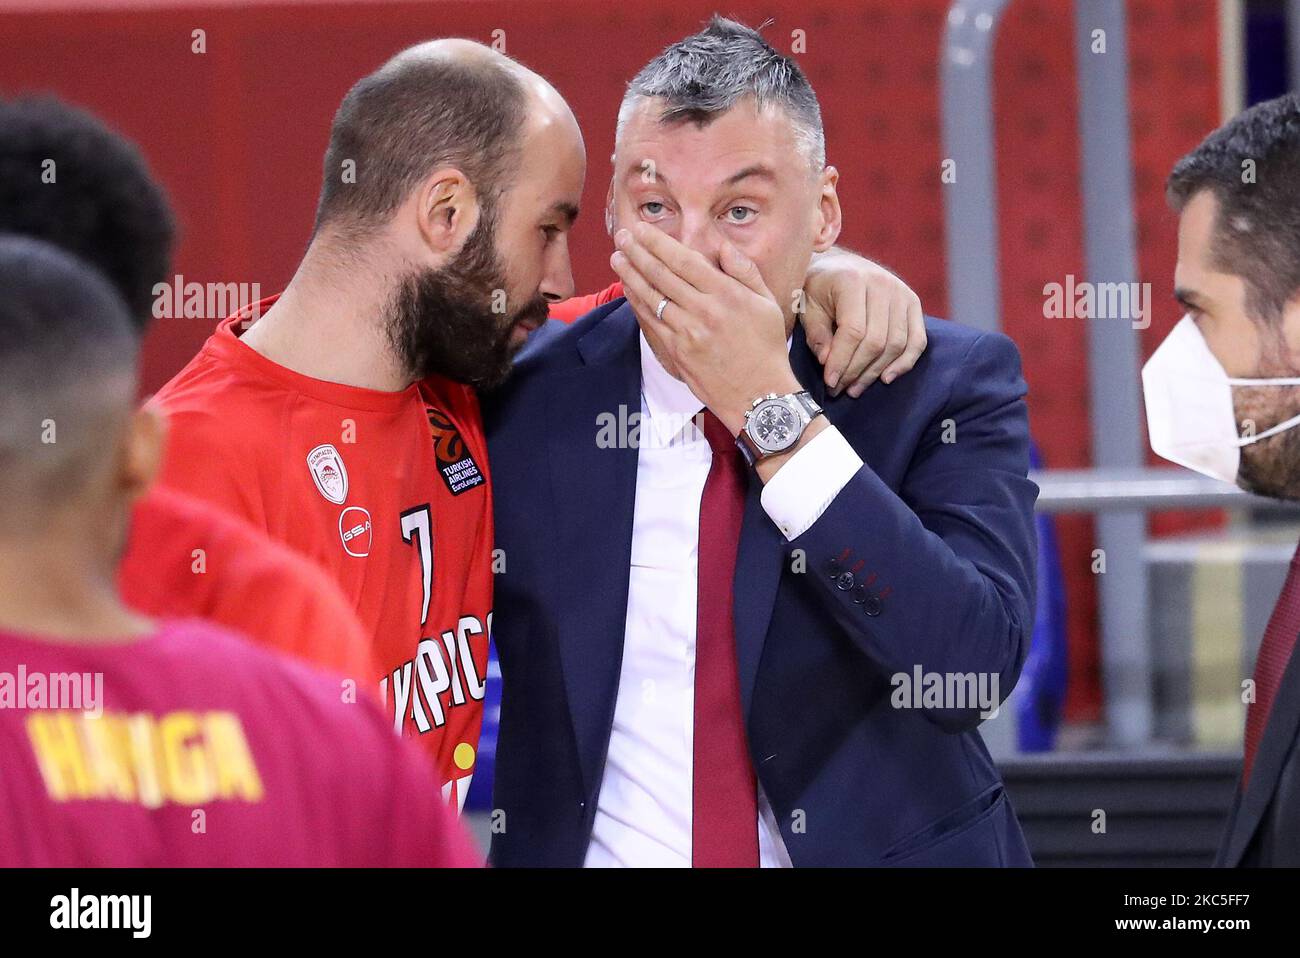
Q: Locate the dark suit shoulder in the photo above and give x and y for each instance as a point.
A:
(970, 361)
(555, 345)
(949, 341)
(959, 362)
(553, 349)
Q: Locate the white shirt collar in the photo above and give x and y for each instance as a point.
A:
(669, 402)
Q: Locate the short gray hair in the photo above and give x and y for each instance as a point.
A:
(706, 74)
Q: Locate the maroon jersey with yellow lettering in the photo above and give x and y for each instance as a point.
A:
(193, 747)
(387, 491)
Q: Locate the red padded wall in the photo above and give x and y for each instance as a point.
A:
(1173, 88)
(237, 134)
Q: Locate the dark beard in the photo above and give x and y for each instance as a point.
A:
(441, 322)
(1270, 467)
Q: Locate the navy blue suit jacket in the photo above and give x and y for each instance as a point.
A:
(925, 558)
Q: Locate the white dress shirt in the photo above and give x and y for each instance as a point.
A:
(643, 814)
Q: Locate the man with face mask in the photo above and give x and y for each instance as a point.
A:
(341, 416)
(1222, 399)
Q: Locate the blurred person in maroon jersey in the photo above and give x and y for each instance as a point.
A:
(67, 179)
(133, 742)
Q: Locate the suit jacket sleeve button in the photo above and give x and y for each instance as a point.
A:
(872, 605)
(860, 594)
(833, 568)
(845, 582)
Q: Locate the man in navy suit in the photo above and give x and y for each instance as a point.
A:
(742, 622)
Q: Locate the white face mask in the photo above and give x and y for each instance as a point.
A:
(1190, 417)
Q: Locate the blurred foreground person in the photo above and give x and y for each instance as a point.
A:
(67, 179)
(132, 742)
(1222, 398)
(183, 556)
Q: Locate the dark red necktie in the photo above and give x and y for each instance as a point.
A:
(1274, 653)
(724, 819)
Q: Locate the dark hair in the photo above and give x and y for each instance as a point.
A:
(416, 113)
(1251, 165)
(705, 75)
(68, 179)
(68, 355)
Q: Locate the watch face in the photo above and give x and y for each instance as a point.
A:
(773, 426)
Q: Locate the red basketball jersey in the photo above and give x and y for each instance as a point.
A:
(188, 559)
(388, 491)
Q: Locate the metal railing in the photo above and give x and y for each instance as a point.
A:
(1142, 490)
(1120, 490)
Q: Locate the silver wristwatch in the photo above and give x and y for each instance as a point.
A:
(773, 424)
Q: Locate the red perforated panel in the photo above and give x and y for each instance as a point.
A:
(1173, 80)
(237, 135)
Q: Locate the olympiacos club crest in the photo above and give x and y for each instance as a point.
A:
(328, 472)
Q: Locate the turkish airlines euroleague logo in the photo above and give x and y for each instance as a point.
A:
(459, 470)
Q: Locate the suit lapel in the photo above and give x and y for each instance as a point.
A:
(758, 573)
(763, 549)
(594, 530)
(1274, 746)
(594, 495)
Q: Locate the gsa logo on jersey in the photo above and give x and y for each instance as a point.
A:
(328, 472)
(354, 530)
